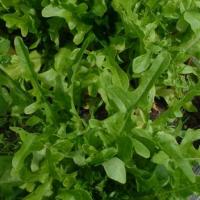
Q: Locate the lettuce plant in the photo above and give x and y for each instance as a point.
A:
(79, 83)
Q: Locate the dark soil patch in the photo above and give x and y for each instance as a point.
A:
(9, 140)
(192, 119)
(159, 106)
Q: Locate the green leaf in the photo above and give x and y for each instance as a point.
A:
(99, 157)
(186, 168)
(119, 78)
(70, 180)
(25, 23)
(140, 148)
(160, 63)
(71, 18)
(62, 62)
(22, 52)
(115, 169)
(161, 158)
(181, 25)
(79, 159)
(193, 91)
(30, 143)
(37, 157)
(141, 63)
(4, 45)
(6, 164)
(125, 148)
(43, 190)
(169, 145)
(82, 87)
(160, 177)
(33, 120)
(113, 123)
(55, 25)
(122, 99)
(99, 7)
(193, 18)
(78, 194)
(51, 11)
(32, 108)
(190, 136)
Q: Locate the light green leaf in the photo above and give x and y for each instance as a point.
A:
(141, 63)
(52, 11)
(161, 158)
(181, 25)
(69, 180)
(118, 43)
(186, 168)
(79, 159)
(30, 109)
(140, 148)
(48, 77)
(4, 45)
(22, 22)
(193, 18)
(197, 2)
(43, 190)
(119, 77)
(23, 54)
(70, 18)
(189, 138)
(160, 63)
(36, 59)
(63, 60)
(170, 113)
(113, 123)
(33, 120)
(169, 145)
(99, 7)
(28, 146)
(78, 194)
(115, 169)
(37, 157)
(100, 157)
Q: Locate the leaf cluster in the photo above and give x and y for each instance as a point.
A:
(79, 80)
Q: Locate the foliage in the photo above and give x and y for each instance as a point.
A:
(78, 81)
